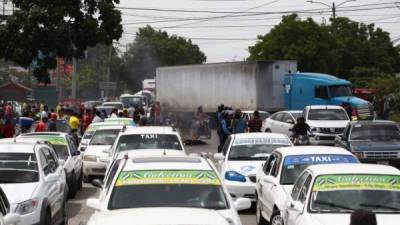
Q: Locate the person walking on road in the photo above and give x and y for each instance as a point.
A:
(8, 129)
(238, 123)
(42, 125)
(255, 123)
(225, 132)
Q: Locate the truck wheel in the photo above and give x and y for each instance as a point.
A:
(276, 218)
(73, 186)
(80, 181)
(259, 218)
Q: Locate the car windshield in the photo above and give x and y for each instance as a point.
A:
(375, 132)
(252, 151)
(149, 141)
(104, 137)
(195, 189)
(340, 90)
(294, 165)
(61, 151)
(134, 101)
(344, 193)
(327, 114)
(18, 168)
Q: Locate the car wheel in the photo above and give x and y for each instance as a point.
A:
(65, 214)
(47, 218)
(268, 130)
(73, 186)
(259, 218)
(80, 181)
(276, 218)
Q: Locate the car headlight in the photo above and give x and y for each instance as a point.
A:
(91, 158)
(235, 176)
(27, 207)
(359, 155)
(314, 129)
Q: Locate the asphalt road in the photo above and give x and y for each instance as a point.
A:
(79, 213)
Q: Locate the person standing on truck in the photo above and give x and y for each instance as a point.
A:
(238, 123)
(225, 132)
(255, 123)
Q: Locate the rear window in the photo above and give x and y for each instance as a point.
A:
(18, 168)
(375, 131)
(149, 141)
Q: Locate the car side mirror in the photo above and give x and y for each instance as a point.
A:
(94, 203)
(296, 206)
(76, 153)
(269, 180)
(61, 162)
(242, 204)
(289, 121)
(12, 218)
(97, 183)
(219, 156)
(51, 178)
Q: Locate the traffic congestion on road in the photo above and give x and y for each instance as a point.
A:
(316, 166)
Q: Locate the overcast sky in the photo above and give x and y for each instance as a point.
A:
(225, 36)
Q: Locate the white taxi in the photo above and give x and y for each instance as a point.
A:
(64, 145)
(96, 156)
(33, 179)
(242, 156)
(144, 141)
(92, 128)
(165, 190)
(328, 194)
(277, 176)
(7, 217)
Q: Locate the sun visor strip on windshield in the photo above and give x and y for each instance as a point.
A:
(356, 182)
(318, 159)
(262, 141)
(54, 140)
(148, 177)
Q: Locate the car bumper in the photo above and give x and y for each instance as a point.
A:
(94, 168)
(322, 139)
(241, 189)
(395, 162)
(30, 219)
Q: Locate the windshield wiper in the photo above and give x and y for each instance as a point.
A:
(379, 206)
(320, 202)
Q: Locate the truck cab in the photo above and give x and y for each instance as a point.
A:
(303, 89)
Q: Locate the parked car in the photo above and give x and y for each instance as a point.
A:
(65, 148)
(87, 136)
(96, 155)
(6, 216)
(328, 194)
(372, 141)
(38, 189)
(145, 141)
(276, 177)
(325, 121)
(281, 122)
(170, 188)
(242, 156)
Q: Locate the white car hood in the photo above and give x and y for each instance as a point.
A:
(159, 216)
(344, 219)
(17, 193)
(245, 168)
(328, 123)
(97, 150)
(151, 152)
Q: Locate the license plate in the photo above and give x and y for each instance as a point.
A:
(383, 162)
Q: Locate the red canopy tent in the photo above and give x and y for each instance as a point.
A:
(14, 91)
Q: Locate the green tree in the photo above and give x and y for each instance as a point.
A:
(356, 50)
(151, 49)
(41, 30)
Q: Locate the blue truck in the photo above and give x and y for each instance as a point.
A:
(302, 89)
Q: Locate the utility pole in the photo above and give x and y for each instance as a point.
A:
(108, 72)
(333, 7)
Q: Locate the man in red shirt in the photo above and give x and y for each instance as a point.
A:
(41, 126)
(8, 129)
(86, 120)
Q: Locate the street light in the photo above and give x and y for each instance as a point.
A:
(333, 6)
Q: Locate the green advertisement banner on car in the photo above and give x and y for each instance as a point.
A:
(357, 182)
(54, 140)
(147, 177)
